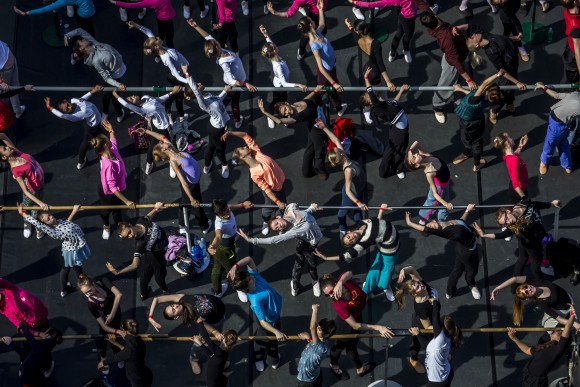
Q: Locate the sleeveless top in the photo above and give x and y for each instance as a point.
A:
(358, 178)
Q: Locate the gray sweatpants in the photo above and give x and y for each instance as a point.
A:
(447, 78)
(10, 77)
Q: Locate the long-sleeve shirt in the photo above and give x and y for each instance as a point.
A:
(454, 47)
(211, 104)
(533, 232)
(6, 116)
(267, 174)
(151, 108)
(568, 107)
(226, 10)
(378, 231)
(517, 170)
(231, 65)
(281, 72)
(163, 8)
(408, 8)
(133, 354)
(104, 58)
(304, 227)
(84, 111)
(502, 53)
(71, 234)
(310, 5)
(21, 306)
(5, 55)
(113, 173)
(217, 359)
(85, 8)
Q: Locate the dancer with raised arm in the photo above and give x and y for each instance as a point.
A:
(516, 167)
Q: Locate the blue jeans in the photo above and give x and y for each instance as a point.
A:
(557, 137)
(442, 215)
(343, 212)
(381, 272)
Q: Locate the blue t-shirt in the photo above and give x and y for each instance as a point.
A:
(85, 8)
(309, 365)
(264, 301)
(326, 52)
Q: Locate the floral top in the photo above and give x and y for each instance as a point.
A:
(69, 233)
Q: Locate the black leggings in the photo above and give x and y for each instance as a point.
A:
(466, 261)
(64, 272)
(304, 254)
(108, 98)
(90, 133)
(405, 30)
(152, 265)
(419, 341)
(471, 134)
(163, 132)
(267, 348)
(109, 200)
(102, 343)
(234, 98)
(508, 96)
(570, 66)
(393, 160)
(267, 212)
(200, 4)
(215, 145)
(229, 32)
(314, 154)
(534, 252)
(166, 32)
(350, 345)
(178, 98)
(198, 212)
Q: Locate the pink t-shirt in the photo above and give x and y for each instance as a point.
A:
(18, 305)
(113, 172)
(518, 171)
(163, 8)
(30, 171)
(226, 10)
(308, 4)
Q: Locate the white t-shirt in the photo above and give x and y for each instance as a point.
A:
(437, 360)
(4, 54)
(228, 228)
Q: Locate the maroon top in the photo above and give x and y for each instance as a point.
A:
(353, 307)
(454, 47)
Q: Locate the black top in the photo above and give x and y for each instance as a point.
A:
(508, 14)
(153, 240)
(307, 115)
(11, 93)
(217, 360)
(442, 174)
(100, 308)
(542, 361)
(503, 53)
(436, 318)
(558, 300)
(532, 234)
(206, 306)
(35, 357)
(384, 112)
(461, 233)
(474, 99)
(133, 354)
(424, 310)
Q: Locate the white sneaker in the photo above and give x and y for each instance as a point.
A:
(224, 289)
(208, 229)
(440, 117)
(105, 370)
(121, 365)
(342, 110)
(494, 8)
(48, 372)
(172, 173)
(240, 122)
(448, 296)
(121, 117)
(225, 171)
(207, 169)
(389, 294)
(63, 294)
(27, 230)
(302, 10)
(40, 234)
(508, 239)
(392, 56)
(141, 15)
(316, 288)
(408, 57)
(299, 56)
(275, 365)
(435, 8)
(186, 12)
(82, 165)
(367, 115)
(182, 230)
(70, 11)
(245, 8)
(358, 14)
(242, 296)
(271, 124)
(475, 293)
(21, 112)
(293, 288)
(73, 61)
(148, 168)
(260, 365)
(266, 10)
(106, 232)
(204, 13)
(547, 270)
(123, 14)
(265, 229)
(401, 175)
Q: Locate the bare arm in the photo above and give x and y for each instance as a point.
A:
(469, 208)
(505, 284)
(314, 324)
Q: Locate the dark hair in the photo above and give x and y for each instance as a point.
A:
(452, 330)
(328, 328)
(568, 4)
(60, 102)
(327, 280)
(131, 325)
(220, 207)
(493, 93)
(429, 20)
(101, 144)
(122, 226)
(541, 347)
(74, 42)
(501, 140)
(304, 24)
(230, 338)
(188, 317)
(361, 27)
(278, 106)
(351, 228)
(54, 334)
(85, 280)
(241, 281)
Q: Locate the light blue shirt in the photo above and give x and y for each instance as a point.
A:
(264, 301)
(309, 364)
(326, 52)
(85, 8)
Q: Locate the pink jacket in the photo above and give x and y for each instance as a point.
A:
(113, 173)
(226, 10)
(19, 305)
(163, 8)
(408, 8)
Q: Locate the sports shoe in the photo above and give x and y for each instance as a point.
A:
(358, 14)
(459, 159)
(225, 171)
(401, 175)
(121, 117)
(208, 229)
(440, 117)
(568, 170)
(141, 15)
(367, 115)
(195, 367)
(523, 53)
(271, 123)
(507, 239)
(417, 366)
(121, 365)
(392, 56)
(106, 232)
(342, 110)
(546, 6)
(242, 296)
(48, 372)
(434, 8)
(63, 294)
(40, 234)
(277, 363)
(299, 56)
(316, 288)
(408, 57)
(494, 9)
(21, 112)
(224, 289)
(448, 296)
(27, 230)
(240, 122)
(260, 365)
(70, 11)
(73, 60)
(389, 294)
(422, 222)
(475, 293)
(266, 10)
(123, 14)
(207, 169)
(245, 8)
(148, 168)
(302, 10)
(186, 12)
(543, 168)
(204, 13)
(82, 165)
(265, 229)
(293, 288)
(172, 173)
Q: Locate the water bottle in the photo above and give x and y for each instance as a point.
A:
(550, 35)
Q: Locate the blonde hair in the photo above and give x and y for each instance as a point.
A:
(336, 156)
(500, 141)
(211, 48)
(159, 154)
(151, 45)
(518, 311)
(269, 50)
(518, 226)
(403, 289)
(475, 60)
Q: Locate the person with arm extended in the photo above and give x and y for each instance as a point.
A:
(6, 115)
(85, 11)
(218, 354)
(516, 167)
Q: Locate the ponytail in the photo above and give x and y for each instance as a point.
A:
(131, 326)
(402, 290)
(518, 311)
(327, 280)
(452, 331)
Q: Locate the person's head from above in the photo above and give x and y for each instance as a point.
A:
(526, 291)
(305, 25)
(269, 50)
(182, 309)
(429, 20)
(505, 217)
(285, 109)
(131, 326)
(351, 236)
(212, 48)
(336, 157)
(361, 27)
(569, 4)
(87, 285)
(6, 152)
(451, 330)
(134, 100)
(188, 94)
(414, 161)
(47, 218)
(503, 141)
(221, 209)
(152, 45)
(126, 230)
(244, 282)
(229, 339)
(278, 224)
(81, 47)
(523, 292)
(240, 154)
(327, 284)
(410, 287)
(365, 100)
(101, 144)
(66, 106)
(325, 329)
(52, 334)
(162, 151)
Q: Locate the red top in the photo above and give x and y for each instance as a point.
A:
(454, 47)
(572, 22)
(6, 116)
(18, 305)
(353, 307)
(30, 171)
(518, 171)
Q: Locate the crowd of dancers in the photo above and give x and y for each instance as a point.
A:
(333, 141)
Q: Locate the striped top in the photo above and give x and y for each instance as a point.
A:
(378, 231)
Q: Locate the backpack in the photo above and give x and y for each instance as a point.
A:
(344, 129)
(140, 141)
